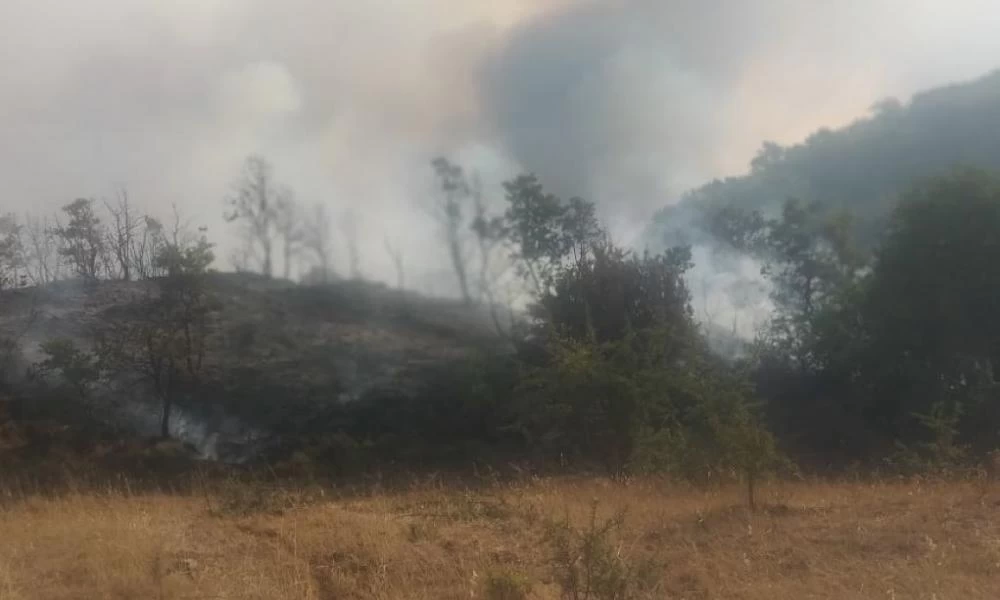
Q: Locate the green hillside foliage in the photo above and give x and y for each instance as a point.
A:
(862, 168)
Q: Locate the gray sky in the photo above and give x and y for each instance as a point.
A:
(628, 102)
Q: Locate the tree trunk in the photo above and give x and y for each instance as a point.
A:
(458, 262)
(751, 490)
(287, 260)
(267, 266)
(168, 405)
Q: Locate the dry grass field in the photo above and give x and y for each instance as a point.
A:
(912, 539)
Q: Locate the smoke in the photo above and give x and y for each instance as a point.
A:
(627, 102)
(631, 102)
(602, 93)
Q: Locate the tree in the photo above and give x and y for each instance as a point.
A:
(396, 254)
(545, 231)
(254, 204)
(617, 371)
(450, 214)
(583, 402)
(931, 311)
(349, 227)
(82, 238)
(811, 261)
(121, 235)
(461, 209)
(617, 330)
(613, 292)
(77, 368)
(289, 228)
(490, 233)
(769, 155)
(859, 358)
(147, 247)
(649, 398)
(740, 440)
(13, 271)
(242, 257)
(806, 355)
(163, 343)
(41, 250)
(316, 238)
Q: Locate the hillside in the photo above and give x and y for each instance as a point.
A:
(279, 358)
(861, 168)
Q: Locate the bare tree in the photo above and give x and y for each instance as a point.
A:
(254, 205)
(289, 227)
(707, 304)
(41, 250)
(146, 246)
(121, 235)
(396, 254)
(449, 212)
(242, 258)
(349, 225)
(177, 235)
(316, 239)
(490, 234)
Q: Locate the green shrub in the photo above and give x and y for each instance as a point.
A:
(506, 585)
(77, 369)
(588, 564)
(941, 453)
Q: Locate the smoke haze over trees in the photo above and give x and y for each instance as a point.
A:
(380, 294)
(862, 168)
(833, 303)
(857, 173)
(627, 103)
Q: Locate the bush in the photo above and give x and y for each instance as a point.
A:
(587, 564)
(941, 454)
(506, 585)
(78, 369)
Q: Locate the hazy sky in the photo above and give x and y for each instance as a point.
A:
(628, 102)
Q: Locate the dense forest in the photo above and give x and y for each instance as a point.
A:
(861, 169)
(879, 244)
(872, 241)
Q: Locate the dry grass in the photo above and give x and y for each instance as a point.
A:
(811, 540)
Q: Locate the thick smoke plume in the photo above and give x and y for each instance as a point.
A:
(628, 102)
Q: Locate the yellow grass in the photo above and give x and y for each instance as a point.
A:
(810, 540)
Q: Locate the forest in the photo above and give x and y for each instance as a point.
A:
(878, 354)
